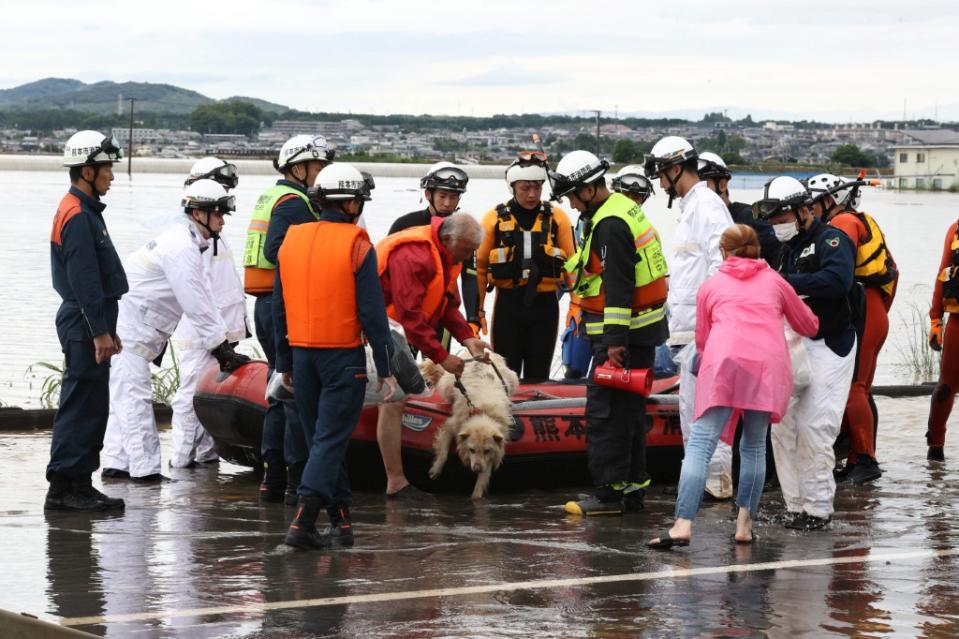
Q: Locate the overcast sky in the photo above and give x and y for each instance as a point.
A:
(828, 60)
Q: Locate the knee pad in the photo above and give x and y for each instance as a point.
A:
(942, 393)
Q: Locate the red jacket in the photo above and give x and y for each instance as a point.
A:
(406, 277)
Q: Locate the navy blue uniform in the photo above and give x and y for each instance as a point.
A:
(89, 277)
(819, 264)
(330, 383)
(282, 430)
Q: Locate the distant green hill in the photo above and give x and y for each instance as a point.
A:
(101, 97)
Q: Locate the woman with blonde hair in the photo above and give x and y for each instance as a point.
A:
(745, 371)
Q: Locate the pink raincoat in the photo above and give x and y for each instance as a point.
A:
(739, 331)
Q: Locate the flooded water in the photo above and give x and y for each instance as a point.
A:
(200, 557)
(914, 224)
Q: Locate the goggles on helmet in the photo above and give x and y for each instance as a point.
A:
(449, 178)
(320, 149)
(713, 171)
(767, 208)
(109, 147)
(633, 184)
(226, 175)
(225, 205)
(531, 157)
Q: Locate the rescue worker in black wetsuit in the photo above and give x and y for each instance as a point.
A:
(284, 447)
(526, 242)
(89, 277)
(714, 172)
(620, 276)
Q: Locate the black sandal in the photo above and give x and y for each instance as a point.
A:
(666, 542)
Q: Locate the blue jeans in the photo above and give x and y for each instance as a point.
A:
(704, 434)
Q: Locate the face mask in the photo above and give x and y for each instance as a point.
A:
(785, 231)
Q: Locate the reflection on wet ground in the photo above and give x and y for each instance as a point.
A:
(200, 557)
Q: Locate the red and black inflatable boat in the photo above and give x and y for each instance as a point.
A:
(547, 441)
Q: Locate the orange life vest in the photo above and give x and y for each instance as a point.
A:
(436, 299)
(317, 269)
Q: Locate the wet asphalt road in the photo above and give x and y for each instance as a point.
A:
(200, 557)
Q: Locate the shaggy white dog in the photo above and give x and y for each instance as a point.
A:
(479, 424)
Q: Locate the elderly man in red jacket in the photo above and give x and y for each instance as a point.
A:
(418, 269)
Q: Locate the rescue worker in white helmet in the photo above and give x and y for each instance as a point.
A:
(190, 444)
(632, 182)
(620, 276)
(876, 279)
(526, 242)
(714, 172)
(90, 280)
(320, 331)
(168, 282)
(283, 447)
(695, 257)
(443, 185)
(818, 261)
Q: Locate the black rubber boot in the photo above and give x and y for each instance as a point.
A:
(302, 532)
(935, 454)
(114, 473)
(605, 501)
(85, 486)
(294, 474)
(274, 478)
(66, 494)
(805, 521)
(865, 470)
(340, 531)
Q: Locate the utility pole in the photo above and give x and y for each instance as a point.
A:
(597, 112)
(130, 142)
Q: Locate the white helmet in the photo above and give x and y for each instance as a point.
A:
(528, 166)
(576, 169)
(213, 169)
(341, 182)
(631, 179)
(303, 148)
(87, 148)
(208, 195)
(826, 184)
(445, 176)
(669, 151)
(781, 195)
(712, 167)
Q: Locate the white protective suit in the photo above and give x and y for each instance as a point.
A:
(803, 442)
(167, 282)
(189, 442)
(695, 258)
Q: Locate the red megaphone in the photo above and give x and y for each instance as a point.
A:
(634, 380)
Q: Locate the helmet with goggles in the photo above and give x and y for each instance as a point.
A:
(826, 184)
(340, 182)
(303, 148)
(712, 167)
(208, 195)
(631, 179)
(528, 166)
(445, 176)
(576, 169)
(211, 168)
(669, 151)
(783, 194)
(89, 148)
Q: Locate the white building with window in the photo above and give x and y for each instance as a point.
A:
(926, 159)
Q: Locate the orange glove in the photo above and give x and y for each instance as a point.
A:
(479, 326)
(935, 335)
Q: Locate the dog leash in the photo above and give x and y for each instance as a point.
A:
(495, 370)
